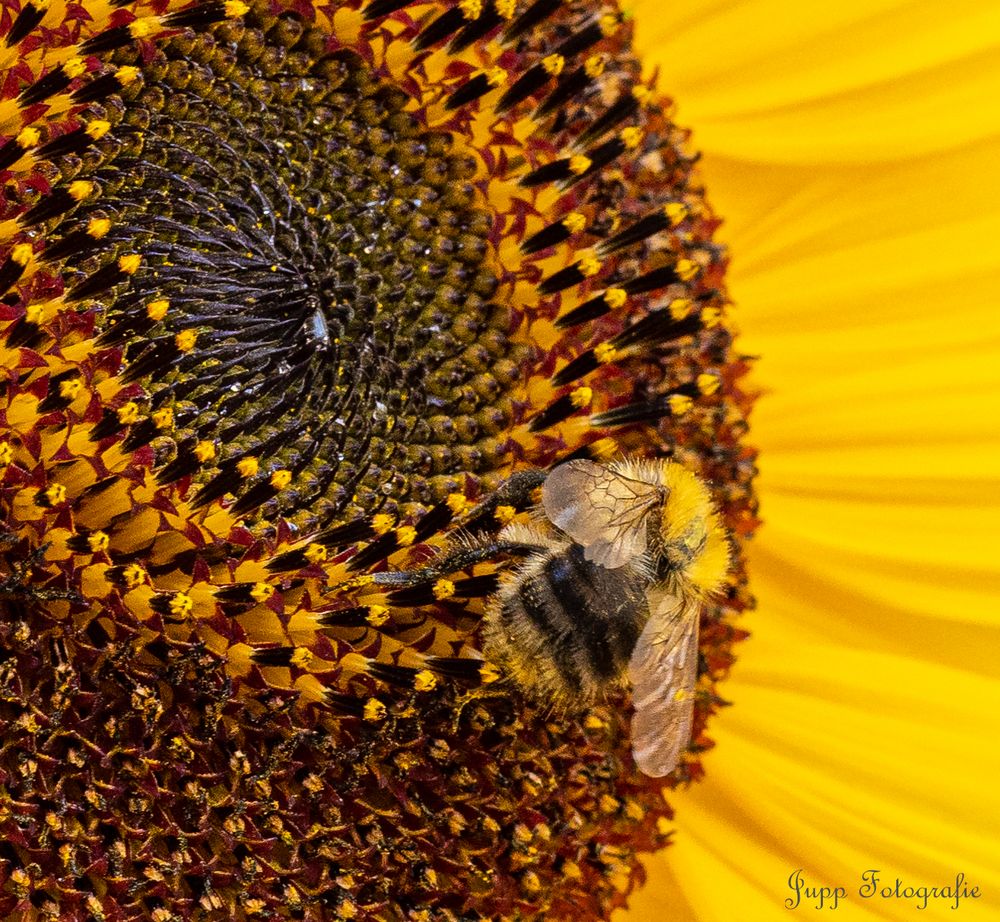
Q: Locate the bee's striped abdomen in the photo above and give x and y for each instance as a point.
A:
(575, 623)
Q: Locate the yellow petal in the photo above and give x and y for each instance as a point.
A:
(811, 774)
(857, 81)
(851, 153)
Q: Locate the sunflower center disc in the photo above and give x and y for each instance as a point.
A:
(313, 289)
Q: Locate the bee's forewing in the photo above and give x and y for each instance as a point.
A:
(599, 509)
(663, 670)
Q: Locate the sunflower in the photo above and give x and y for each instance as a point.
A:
(853, 153)
(297, 298)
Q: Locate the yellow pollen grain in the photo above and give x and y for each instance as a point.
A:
(425, 681)
(126, 75)
(69, 390)
(6, 454)
(609, 804)
(55, 495)
(457, 503)
(496, 76)
(593, 722)
(443, 589)
(316, 553)
(605, 353)
(377, 615)
(236, 8)
(382, 522)
(488, 673)
(581, 397)
(711, 317)
(506, 8)
(680, 308)
(27, 137)
(129, 263)
(471, 9)
(80, 189)
(634, 810)
(680, 695)
(686, 269)
(504, 514)
(35, 313)
(98, 227)
(181, 604)
(128, 413)
(605, 448)
(641, 93)
(588, 265)
(608, 24)
(579, 163)
(575, 222)
(248, 468)
(302, 658)
(708, 384)
(157, 310)
(261, 592)
(593, 67)
(134, 575)
(204, 451)
(553, 64)
(631, 137)
(679, 404)
(185, 340)
(406, 535)
(281, 478)
(163, 419)
(21, 254)
(374, 710)
(74, 67)
(140, 28)
(615, 297)
(97, 129)
(531, 882)
(676, 212)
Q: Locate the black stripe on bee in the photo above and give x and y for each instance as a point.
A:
(587, 617)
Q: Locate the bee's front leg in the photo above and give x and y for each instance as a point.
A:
(515, 494)
(459, 558)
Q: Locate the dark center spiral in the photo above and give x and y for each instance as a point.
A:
(324, 266)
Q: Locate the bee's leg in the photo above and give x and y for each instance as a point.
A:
(514, 494)
(459, 559)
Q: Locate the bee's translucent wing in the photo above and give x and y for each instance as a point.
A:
(663, 670)
(600, 509)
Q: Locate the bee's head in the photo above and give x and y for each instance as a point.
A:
(693, 539)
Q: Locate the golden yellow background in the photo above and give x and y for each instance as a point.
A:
(854, 150)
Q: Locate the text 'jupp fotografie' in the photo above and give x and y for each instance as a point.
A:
(873, 886)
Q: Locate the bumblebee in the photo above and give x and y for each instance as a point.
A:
(616, 566)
